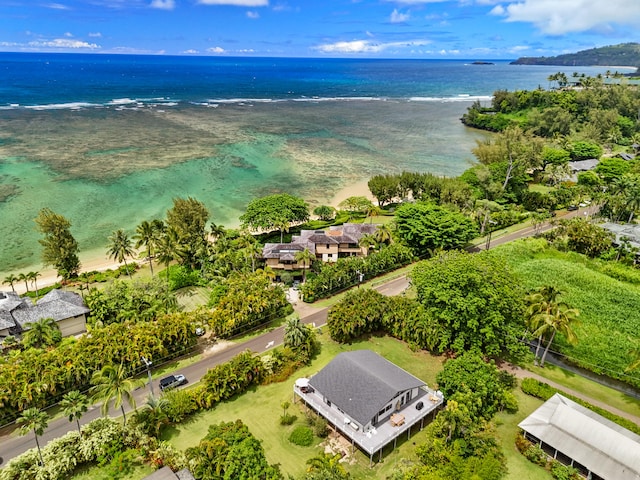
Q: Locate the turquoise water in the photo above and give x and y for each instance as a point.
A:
(109, 141)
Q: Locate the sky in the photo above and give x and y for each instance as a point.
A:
(465, 29)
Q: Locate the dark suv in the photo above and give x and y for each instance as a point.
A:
(172, 381)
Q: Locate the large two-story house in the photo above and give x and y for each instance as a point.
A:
(326, 245)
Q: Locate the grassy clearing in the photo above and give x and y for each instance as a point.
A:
(261, 408)
(95, 472)
(609, 314)
(190, 298)
(518, 466)
(590, 388)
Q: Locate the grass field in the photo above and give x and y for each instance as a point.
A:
(609, 313)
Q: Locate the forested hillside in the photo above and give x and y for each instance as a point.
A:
(623, 55)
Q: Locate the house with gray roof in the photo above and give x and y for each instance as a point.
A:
(577, 436)
(338, 241)
(66, 308)
(368, 399)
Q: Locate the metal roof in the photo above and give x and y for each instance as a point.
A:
(361, 383)
(603, 447)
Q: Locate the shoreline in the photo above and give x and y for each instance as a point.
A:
(92, 260)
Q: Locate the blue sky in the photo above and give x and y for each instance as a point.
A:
(466, 29)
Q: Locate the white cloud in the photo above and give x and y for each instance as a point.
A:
(216, 50)
(68, 34)
(63, 43)
(366, 46)
(57, 6)
(555, 17)
(236, 3)
(95, 35)
(191, 51)
(416, 2)
(163, 4)
(398, 17)
(253, 14)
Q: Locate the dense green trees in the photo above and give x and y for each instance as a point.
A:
(275, 212)
(475, 299)
(249, 300)
(59, 248)
(426, 227)
(228, 452)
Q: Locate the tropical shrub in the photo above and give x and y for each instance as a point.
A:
(301, 436)
(230, 451)
(250, 300)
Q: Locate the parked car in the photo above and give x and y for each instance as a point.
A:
(572, 208)
(172, 381)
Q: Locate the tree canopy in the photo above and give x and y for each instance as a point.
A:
(425, 227)
(271, 212)
(60, 248)
(188, 219)
(476, 300)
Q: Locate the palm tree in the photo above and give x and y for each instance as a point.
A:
(282, 225)
(112, 383)
(147, 236)
(36, 421)
(384, 234)
(33, 278)
(633, 201)
(154, 415)
(120, 248)
(561, 322)
(304, 257)
(168, 248)
(371, 211)
(368, 242)
(540, 305)
(253, 251)
(10, 280)
(42, 333)
(74, 404)
(295, 333)
(24, 278)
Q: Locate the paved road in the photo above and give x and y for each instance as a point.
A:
(12, 445)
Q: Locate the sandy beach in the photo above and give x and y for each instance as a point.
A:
(93, 261)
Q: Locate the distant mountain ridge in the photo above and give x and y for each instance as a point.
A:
(622, 55)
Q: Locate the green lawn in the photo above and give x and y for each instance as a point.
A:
(190, 298)
(260, 409)
(519, 468)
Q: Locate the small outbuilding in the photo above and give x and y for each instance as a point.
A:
(577, 436)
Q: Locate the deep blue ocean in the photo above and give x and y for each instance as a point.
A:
(110, 140)
(73, 80)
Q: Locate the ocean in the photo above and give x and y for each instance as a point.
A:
(109, 140)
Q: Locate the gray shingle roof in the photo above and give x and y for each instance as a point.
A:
(361, 383)
(56, 304)
(602, 446)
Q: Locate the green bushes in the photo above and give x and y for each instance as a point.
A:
(301, 436)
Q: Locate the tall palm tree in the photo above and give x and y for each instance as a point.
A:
(540, 303)
(24, 278)
(253, 251)
(35, 421)
(633, 201)
(74, 404)
(305, 257)
(168, 248)
(112, 383)
(368, 241)
(562, 322)
(282, 225)
(42, 333)
(120, 247)
(147, 236)
(33, 278)
(10, 280)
